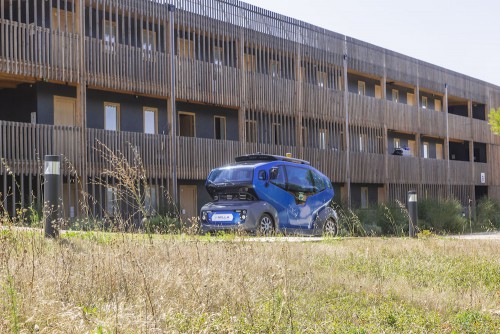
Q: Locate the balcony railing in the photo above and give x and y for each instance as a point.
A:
(264, 92)
(208, 82)
(33, 51)
(459, 127)
(403, 169)
(461, 172)
(366, 110)
(197, 156)
(433, 171)
(321, 102)
(402, 117)
(23, 146)
(482, 132)
(433, 123)
(124, 67)
(153, 151)
(367, 167)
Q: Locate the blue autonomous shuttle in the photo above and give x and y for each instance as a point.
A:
(264, 194)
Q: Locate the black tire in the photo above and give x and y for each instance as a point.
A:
(265, 225)
(330, 228)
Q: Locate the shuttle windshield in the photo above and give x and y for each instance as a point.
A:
(232, 174)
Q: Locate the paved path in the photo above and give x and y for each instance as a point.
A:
(479, 236)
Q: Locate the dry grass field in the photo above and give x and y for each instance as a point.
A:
(96, 282)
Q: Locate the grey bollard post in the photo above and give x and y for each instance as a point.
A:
(52, 195)
(412, 212)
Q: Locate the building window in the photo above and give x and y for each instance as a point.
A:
(250, 63)
(220, 127)
(412, 145)
(361, 88)
(424, 102)
(397, 143)
(148, 43)
(410, 99)
(323, 139)
(218, 55)
(395, 95)
(111, 116)
(364, 198)
(322, 79)
(274, 68)
(276, 134)
(426, 150)
(109, 36)
(378, 91)
(439, 151)
(251, 129)
(150, 120)
(186, 124)
(437, 105)
(185, 48)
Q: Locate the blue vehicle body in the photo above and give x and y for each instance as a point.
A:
(294, 195)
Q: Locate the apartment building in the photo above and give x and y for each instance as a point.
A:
(189, 84)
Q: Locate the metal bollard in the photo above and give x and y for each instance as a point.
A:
(52, 194)
(412, 212)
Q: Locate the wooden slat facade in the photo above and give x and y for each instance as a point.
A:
(285, 78)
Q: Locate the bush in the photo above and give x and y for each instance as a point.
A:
(487, 214)
(170, 224)
(380, 219)
(441, 216)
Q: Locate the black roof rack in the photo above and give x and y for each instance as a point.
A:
(269, 157)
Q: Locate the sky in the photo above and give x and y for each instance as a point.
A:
(460, 35)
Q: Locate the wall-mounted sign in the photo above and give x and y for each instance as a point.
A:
(483, 178)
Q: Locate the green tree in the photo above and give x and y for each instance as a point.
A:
(494, 119)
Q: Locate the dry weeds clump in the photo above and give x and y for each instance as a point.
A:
(98, 282)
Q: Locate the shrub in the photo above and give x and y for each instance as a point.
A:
(393, 219)
(381, 219)
(441, 216)
(164, 224)
(487, 214)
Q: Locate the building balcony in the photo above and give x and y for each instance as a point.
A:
(274, 94)
(123, 67)
(24, 146)
(29, 50)
(366, 110)
(433, 171)
(367, 167)
(433, 123)
(402, 117)
(459, 127)
(403, 169)
(207, 82)
(323, 101)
